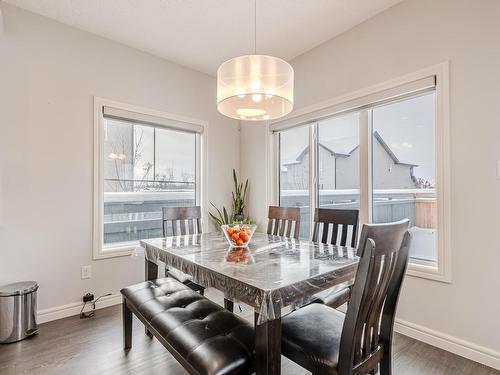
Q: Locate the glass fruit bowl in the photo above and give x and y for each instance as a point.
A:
(238, 234)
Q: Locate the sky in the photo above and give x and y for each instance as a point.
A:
(408, 127)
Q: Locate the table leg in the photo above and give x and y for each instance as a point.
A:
(268, 347)
(151, 273)
(151, 270)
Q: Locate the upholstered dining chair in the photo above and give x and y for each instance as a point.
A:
(326, 341)
(336, 227)
(182, 221)
(281, 220)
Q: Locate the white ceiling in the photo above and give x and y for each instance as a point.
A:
(201, 34)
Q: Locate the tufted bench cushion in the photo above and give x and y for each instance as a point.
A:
(203, 336)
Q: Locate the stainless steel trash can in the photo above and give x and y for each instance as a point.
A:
(17, 311)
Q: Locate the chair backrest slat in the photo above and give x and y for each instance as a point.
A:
(174, 228)
(281, 220)
(181, 220)
(183, 227)
(336, 217)
(270, 226)
(367, 328)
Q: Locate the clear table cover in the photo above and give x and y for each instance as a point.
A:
(272, 273)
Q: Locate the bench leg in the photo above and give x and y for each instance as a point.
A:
(228, 304)
(127, 326)
(151, 273)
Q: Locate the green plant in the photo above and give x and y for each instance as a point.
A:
(239, 196)
(220, 217)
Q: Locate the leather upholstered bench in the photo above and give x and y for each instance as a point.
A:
(204, 337)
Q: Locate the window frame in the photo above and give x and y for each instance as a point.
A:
(337, 106)
(98, 250)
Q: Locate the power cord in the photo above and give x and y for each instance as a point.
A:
(91, 313)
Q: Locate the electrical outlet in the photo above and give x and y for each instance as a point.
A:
(86, 272)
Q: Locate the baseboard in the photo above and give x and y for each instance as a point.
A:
(72, 309)
(449, 343)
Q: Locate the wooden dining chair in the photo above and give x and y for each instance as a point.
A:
(339, 221)
(326, 341)
(342, 219)
(281, 220)
(182, 221)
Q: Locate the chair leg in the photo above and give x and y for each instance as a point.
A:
(386, 362)
(127, 326)
(202, 291)
(228, 305)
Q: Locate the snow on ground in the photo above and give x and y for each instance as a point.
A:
(423, 244)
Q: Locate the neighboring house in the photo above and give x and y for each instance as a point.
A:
(341, 171)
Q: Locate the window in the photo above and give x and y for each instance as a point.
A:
(144, 162)
(384, 152)
(404, 171)
(294, 174)
(338, 157)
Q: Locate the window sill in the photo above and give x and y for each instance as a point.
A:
(114, 252)
(427, 271)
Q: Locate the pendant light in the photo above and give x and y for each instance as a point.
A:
(255, 87)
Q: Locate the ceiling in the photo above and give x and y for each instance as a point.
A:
(201, 34)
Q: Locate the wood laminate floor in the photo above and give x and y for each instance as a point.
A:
(94, 346)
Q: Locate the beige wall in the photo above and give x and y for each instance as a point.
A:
(413, 35)
(49, 74)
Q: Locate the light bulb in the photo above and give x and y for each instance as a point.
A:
(255, 85)
(256, 97)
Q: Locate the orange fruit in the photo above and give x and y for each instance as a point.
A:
(249, 232)
(244, 236)
(235, 237)
(239, 242)
(230, 231)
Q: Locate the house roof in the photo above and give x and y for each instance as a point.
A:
(387, 149)
(306, 151)
(377, 136)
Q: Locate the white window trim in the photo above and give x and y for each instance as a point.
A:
(310, 113)
(201, 169)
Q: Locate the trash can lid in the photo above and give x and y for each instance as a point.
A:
(23, 287)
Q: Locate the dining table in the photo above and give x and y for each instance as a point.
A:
(272, 275)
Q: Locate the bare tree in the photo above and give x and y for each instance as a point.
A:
(120, 150)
